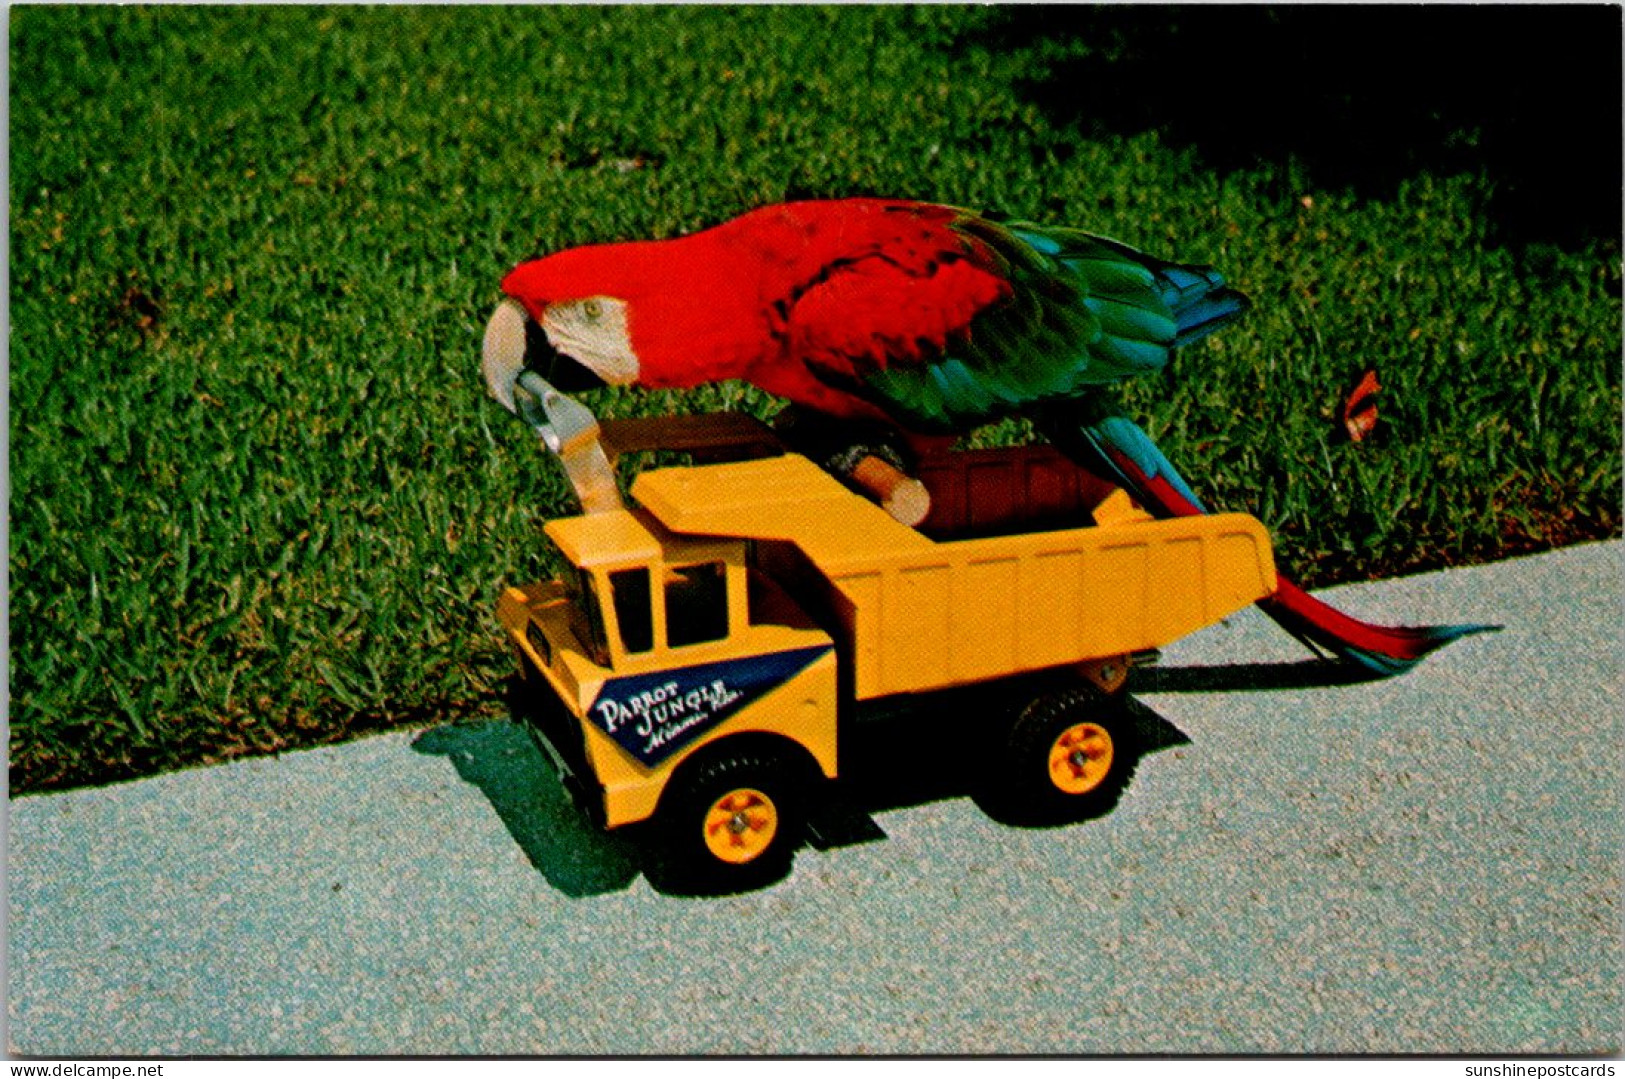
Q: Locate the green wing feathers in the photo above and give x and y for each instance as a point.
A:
(1081, 311)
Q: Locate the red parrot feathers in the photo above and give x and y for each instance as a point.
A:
(837, 288)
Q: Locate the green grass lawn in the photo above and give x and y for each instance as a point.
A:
(259, 499)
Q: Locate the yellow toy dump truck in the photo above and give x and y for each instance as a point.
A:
(706, 647)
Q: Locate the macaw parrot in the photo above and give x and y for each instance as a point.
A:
(925, 319)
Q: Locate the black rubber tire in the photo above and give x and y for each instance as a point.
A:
(1025, 778)
(680, 825)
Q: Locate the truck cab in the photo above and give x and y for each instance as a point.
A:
(653, 646)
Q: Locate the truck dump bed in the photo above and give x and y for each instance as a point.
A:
(916, 614)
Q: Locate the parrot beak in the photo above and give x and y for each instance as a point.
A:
(516, 343)
(502, 359)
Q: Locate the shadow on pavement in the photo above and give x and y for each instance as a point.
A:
(888, 763)
(497, 757)
(1230, 677)
(907, 761)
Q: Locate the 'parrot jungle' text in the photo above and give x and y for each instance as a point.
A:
(663, 712)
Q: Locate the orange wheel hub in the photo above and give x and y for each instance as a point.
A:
(740, 825)
(1080, 757)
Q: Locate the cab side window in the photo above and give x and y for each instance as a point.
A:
(633, 610)
(696, 604)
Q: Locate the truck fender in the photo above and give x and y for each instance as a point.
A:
(798, 762)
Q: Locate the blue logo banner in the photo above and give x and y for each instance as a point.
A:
(651, 716)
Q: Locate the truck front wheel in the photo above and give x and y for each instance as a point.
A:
(1069, 755)
(734, 822)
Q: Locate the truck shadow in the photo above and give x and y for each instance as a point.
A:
(900, 763)
(1233, 677)
(888, 764)
(497, 757)
(907, 762)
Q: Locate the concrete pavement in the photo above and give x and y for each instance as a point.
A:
(1429, 864)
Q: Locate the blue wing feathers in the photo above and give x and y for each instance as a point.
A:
(1200, 317)
(1131, 356)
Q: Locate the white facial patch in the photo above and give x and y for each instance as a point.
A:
(593, 333)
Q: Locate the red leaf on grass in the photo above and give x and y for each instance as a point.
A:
(1360, 410)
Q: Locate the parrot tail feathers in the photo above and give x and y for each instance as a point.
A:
(1116, 449)
(1382, 650)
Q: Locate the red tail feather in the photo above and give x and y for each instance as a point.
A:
(1383, 650)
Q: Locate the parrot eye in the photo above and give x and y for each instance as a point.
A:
(592, 309)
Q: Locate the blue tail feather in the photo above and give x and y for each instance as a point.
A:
(1094, 436)
(1387, 665)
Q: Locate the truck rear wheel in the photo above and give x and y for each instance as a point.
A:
(1069, 755)
(734, 822)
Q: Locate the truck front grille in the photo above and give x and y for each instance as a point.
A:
(538, 640)
(549, 721)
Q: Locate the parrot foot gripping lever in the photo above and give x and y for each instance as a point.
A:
(570, 432)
